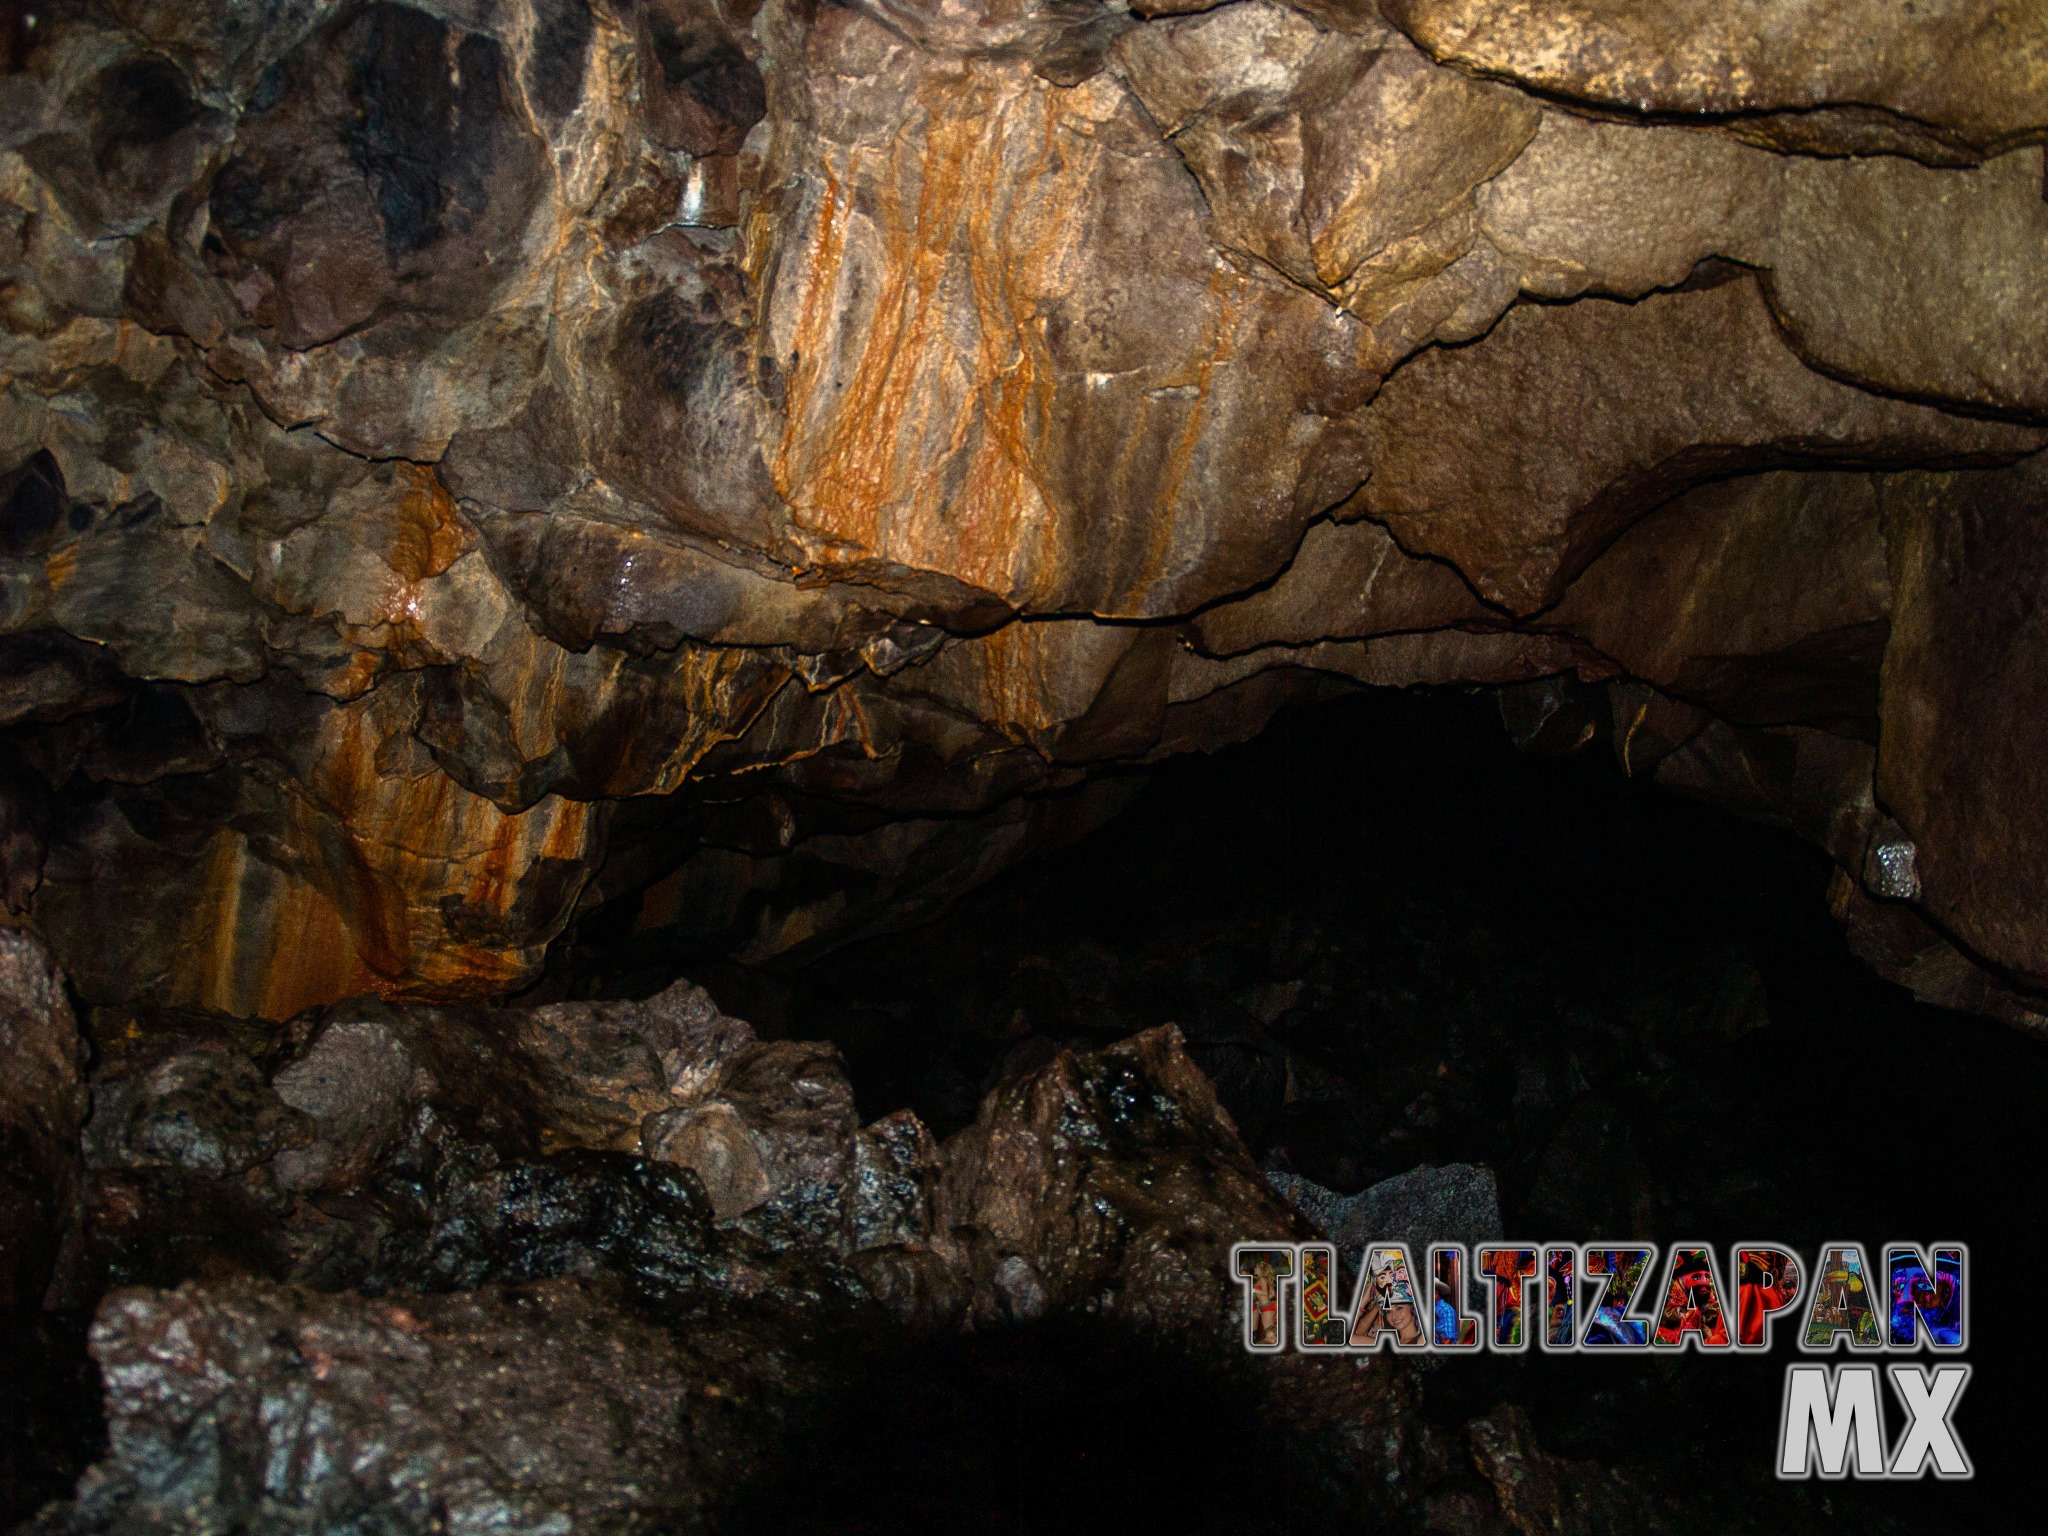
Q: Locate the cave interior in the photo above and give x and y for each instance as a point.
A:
(727, 725)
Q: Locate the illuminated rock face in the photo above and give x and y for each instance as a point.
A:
(472, 465)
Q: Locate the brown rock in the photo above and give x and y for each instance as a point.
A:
(794, 1099)
(1327, 154)
(1854, 276)
(489, 452)
(1113, 1180)
(1689, 385)
(1694, 56)
(1766, 598)
(1430, 658)
(1347, 581)
(1850, 247)
(712, 1141)
(1057, 439)
(551, 1408)
(1621, 208)
(1903, 947)
(1814, 784)
(359, 1084)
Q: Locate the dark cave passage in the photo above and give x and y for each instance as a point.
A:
(1392, 940)
(1052, 1428)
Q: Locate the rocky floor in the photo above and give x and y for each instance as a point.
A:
(1393, 941)
(935, 1240)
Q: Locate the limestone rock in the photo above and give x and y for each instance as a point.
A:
(1057, 439)
(1787, 608)
(1853, 276)
(1345, 159)
(1520, 504)
(1958, 760)
(443, 1148)
(1458, 1203)
(1347, 581)
(711, 1140)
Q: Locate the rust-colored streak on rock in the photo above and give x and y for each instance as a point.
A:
(919, 451)
(414, 421)
(394, 884)
(260, 948)
(428, 534)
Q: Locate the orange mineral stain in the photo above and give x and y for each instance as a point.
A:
(910, 426)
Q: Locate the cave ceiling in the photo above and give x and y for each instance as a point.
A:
(471, 464)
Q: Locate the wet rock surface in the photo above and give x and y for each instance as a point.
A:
(248, 1405)
(1113, 1181)
(624, 1264)
(474, 479)
(387, 1268)
(414, 1147)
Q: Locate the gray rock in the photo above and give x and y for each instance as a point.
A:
(1457, 1203)
(256, 1407)
(358, 1083)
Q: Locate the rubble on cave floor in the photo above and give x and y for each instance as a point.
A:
(396, 1268)
(244, 1404)
(583, 1266)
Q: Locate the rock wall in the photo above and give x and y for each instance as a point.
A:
(471, 464)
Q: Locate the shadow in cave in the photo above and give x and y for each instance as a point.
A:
(1050, 1427)
(1393, 940)
(50, 1423)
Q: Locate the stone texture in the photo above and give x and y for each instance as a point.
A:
(471, 471)
(1696, 56)
(260, 1407)
(1056, 438)
(1347, 581)
(1523, 504)
(1766, 599)
(557, 1338)
(1113, 1179)
(1458, 1203)
(1345, 159)
(449, 1148)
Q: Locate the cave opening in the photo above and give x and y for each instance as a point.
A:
(1394, 941)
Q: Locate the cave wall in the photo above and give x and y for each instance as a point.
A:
(476, 464)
